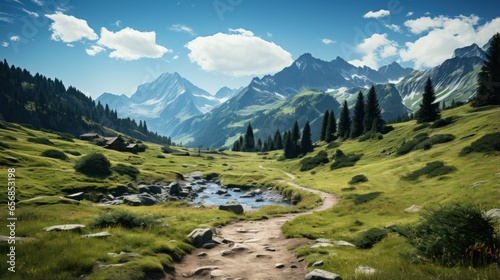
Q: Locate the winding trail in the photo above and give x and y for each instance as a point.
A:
(252, 249)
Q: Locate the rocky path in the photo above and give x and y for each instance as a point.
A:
(251, 249)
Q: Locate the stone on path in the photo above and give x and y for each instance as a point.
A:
(64, 227)
(202, 269)
(201, 236)
(279, 265)
(319, 274)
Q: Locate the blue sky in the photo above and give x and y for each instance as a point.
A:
(114, 46)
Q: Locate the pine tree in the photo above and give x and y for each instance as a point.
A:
(331, 127)
(289, 146)
(236, 146)
(428, 111)
(344, 121)
(306, 144)
(488, 79)
(295, 136)
(277, 140)
(248, 140)
(372, 113)
(358, 116)
(323, 126)
(259, 145)
(270, 144)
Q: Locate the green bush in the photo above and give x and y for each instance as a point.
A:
(95, 164)
(129, 170)
(442, 122)
(371, 135)
(422, 126)
(487, 143)
(431, 169)
(370, 237)
(51, 153)
(333, 145)
(43, 141)
(65, 136)
(73, 153)
(364, 198)
(160, 156)
(457, 234)
(343, 160)
(358, 179)
(311, 162)
(124, 219)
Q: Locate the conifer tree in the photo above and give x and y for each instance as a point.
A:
(289, 147)
(488, 79)
(295, 134)
(428, 111)
(248, 140)
(344, 121)
(277, 140)
(323, 125)
(372, 113)
(306, 144)
(270, 144)
(259, 145)
(358, 116)
(331, 127)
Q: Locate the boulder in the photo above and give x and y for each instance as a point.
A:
(175, 188)
(143, 188)
(319, 274)
(132, 200)
(412, 209)
(344, 243)
(76, 196)
(257, 191)
(364, 269)
(147, 199)
(155, 189)
(221, 191)
(247, 195)
(64, 227)
(318, 263)
(236, 190)
(235, 208)
(201, 236)
(103, 234)
(493, 214)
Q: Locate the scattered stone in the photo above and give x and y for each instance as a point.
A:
(260, 199)
(321, 244)
(155, 189)
(209, 245)
(293, 266)
(318, 263)
(257, 191)
(76, 196)
(221, 191)
(262, 256)
(319, 274)
(201, 236)
(4, 238)
(202, 254)
(132, 200)
(247, 195)
(143, 188)
(64, 227)
(103, 266)
(240, 248)
(235, 208)
(364, 269)
(473, 185)
(226, 253)
(493, 213)
(124, 255)
(279, 265)
(203, 269)
(236, 190)
(323, 240)
(217, 273)
(269, 249)
(412, 209)
(344, 243)
(175, 188)
(103, 234)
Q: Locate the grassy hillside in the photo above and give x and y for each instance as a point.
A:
(41, 181)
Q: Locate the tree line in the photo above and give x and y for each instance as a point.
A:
(45, 103)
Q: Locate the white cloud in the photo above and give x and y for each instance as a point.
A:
(374, 49)
(6, 19)
(38, 2)
(70, 45)
(327, 41)
(378, 14)
(130, 44)
(175, 57)
(5, 44)
(442, 35)
(34, 14)
(237, 54)
(117, 23)
(394, 27)
(409, 14)
(69, 28)
(15, 38)
(182, 28)
(94, 50)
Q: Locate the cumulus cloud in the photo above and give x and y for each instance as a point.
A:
(238, 53)
(374, 49)
(95, 49)
(394, 27)
(5, 44)
(378, 14)
(327, 41)
(130, 44)
(182, 28)
(15, 38)
(409, 14)
(33, 14)
(69, 28)
(117, 23)
(442, 35)
(269, 35)
(175, 57)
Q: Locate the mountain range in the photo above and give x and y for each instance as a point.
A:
(302, 91)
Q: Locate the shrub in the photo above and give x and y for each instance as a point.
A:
(364, 198)
(465, 151)
(311, 162)
(487, 143)
(43, 141)
(73, 153)
(129, 170)
(343, 160)
(348, 189)
(333, 145)
(442, 138)
(422, 126)
(55, 154)
(371, 135)
(431, 169)
(456, 234)
(370, 237)
(122, 218)
(442, 122)
(358, 179)
(160, 156)
(95, 164)
(65, 137)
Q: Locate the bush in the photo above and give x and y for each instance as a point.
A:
(333, 145)
(311, 162)
(364, 198)
(129, 170)
(348, 189)
(371, 135)
(456, 234)
(442, 122)
(431, 169)
(343, 160)
(370, 237)
(55, 154)
(65, 136)
(487, 143)
(95, 164)
(422, 126)
(122, 218)
(73, 153)
(358, 179)
(160, 156)
(43, 141)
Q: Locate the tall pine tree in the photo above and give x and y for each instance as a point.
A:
(277, 140)
(331, 127)
(358, 116)
(306, 143)
(248, 140)
(373, 117)
(428, 111)
(323, 125)
(488, 79)
(344, 121)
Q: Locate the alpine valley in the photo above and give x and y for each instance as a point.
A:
(303, 91)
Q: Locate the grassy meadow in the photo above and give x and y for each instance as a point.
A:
(41, 183)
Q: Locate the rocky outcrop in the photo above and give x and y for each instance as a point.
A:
(235, 208)
(201, 236)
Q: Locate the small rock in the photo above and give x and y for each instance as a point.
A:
(318, 263)
(103, 234)
(235, 208)
(260, 199)
(202, 269)
(320, 245)
(76, 196)
(236, 190)
(226, 253)
(412, 209)
(279, 265)
(247, 195)
(201, 236)
(262, 256)
(344, 243)
(293, 266)
(202, 254)
(269, 249)
(319, 274)
(365, 269)
(64, 227)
